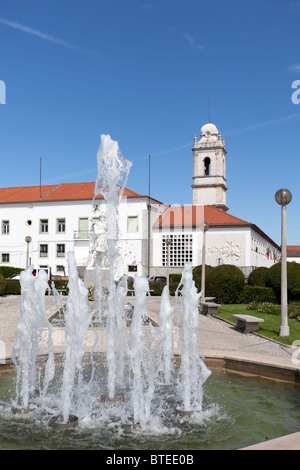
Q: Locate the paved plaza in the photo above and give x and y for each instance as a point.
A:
(215, 335)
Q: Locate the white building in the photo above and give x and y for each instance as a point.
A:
(229, 240)
(293, 253)
(60, 218)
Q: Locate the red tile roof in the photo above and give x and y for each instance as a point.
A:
(293, 251)
(195, 215)
(54, 192)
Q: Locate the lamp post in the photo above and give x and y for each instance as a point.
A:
(27, 240)
(169, 242)
(283, 197)
(205, 228)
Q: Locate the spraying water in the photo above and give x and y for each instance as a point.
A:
(113, 171)
(26, 349)
(193, 370)
(139, 357)
(78, 318)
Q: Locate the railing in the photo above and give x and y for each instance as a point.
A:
(81, 234)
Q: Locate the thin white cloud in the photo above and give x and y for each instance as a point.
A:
(264, 124)
(192, 42)
(45, 36)
(146, 6)
(294, 68)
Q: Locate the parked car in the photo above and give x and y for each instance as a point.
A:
(158, 279)
(15, 276)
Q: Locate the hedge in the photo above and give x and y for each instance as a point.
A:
(3, 284)
(13, 287)
(273, 280)
(225, 282)
(8, 271)
(258, 277)
(158, 287)
(256, 293)
(197, 275)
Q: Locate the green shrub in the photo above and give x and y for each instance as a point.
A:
(225, 282)
(197, 275)
(273, 280)
(3, 284)
(8, 271)
(256, 293)
(13, 287)
(175, 278)
(60, 285)
(258, 277)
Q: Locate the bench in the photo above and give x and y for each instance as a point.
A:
(247, 323)
(210, 308)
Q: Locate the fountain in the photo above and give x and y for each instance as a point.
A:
(139, 358)
(133, 386)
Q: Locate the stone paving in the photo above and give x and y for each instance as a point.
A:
(214, 334)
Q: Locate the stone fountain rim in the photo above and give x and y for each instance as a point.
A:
(274, 368)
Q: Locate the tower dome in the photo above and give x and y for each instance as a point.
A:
(209, 128)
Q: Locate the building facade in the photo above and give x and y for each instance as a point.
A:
(293, 253)
(229, 240)
(40, 226)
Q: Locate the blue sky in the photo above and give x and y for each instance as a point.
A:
(142, 71)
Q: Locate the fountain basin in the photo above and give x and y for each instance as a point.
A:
(238, 411)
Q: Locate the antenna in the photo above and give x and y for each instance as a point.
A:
(149, 220)
(40, 178)
(208, 110)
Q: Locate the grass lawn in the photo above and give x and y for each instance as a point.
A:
(270, 327)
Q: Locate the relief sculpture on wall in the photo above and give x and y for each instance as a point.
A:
(229, 251)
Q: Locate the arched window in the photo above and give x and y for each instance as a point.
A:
(207, 166)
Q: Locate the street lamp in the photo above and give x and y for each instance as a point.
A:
(283, 197)
(27, 240)
(169, 242)
(205, 227)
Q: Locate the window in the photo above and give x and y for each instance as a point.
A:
(132, 224)
(83, 228)
(60, 269)
(207, 166)
(5, 257)
(60, 250)
(5, 227)
(60, 225)
(132, 268)
(180, 250)
(43, 251)
(44, 226)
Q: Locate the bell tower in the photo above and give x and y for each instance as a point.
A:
(209, 176)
